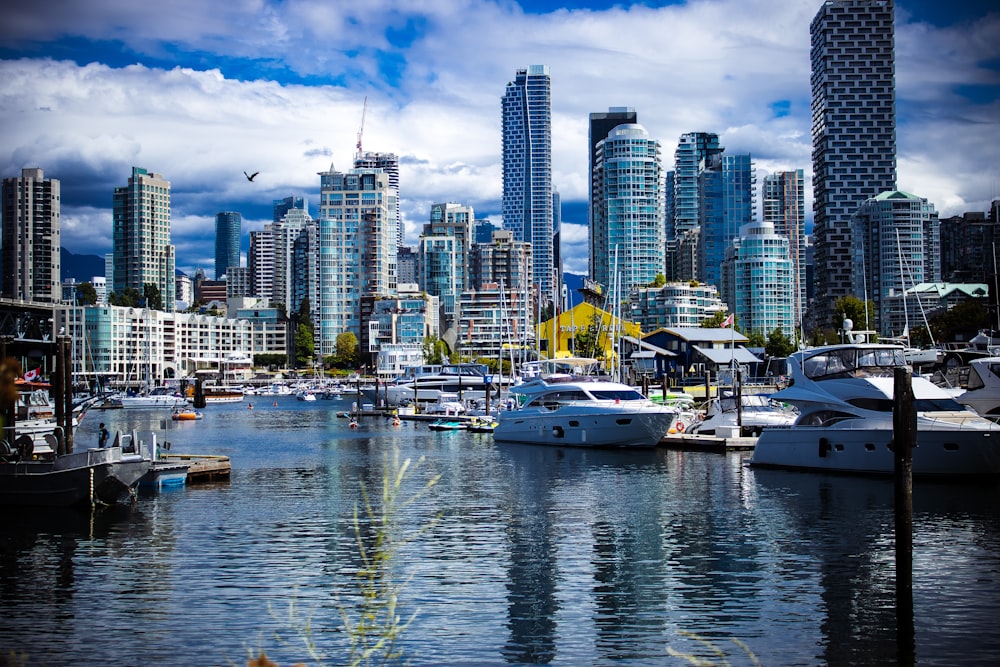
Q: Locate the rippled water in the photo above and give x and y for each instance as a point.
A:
(538, 555)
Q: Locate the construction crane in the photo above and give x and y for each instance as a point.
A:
(361, 129)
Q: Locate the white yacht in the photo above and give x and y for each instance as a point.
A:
(160, 397)
(844, 394)
(566, 409)
(425, 384)
(756, 413)
(982, 392)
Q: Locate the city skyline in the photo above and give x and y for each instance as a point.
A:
(203, 95)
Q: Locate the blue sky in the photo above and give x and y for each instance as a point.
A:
(200, 91)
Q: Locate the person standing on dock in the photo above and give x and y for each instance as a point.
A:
(102, 438)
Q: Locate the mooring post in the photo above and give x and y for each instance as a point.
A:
(904, 438)
(67, 396)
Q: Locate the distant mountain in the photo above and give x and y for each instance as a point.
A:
(83, 268)
(573, 282)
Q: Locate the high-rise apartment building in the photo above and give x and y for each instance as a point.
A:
(31, 249)
(895, 246)
(228, 232)
(969, 246)
(757, 280)
(783, 205)
(141, 236)
(627, 236)
(389, 163)
(527, 169)
(501, 261)
(358, 249)
(727, 202)
(260, 259)
(601, 123)
(683, 220)
(853, 133)
(280, 207)
(284, 234)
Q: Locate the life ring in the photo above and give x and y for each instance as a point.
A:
(679, 426)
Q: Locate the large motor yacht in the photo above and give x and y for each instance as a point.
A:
(844, 394)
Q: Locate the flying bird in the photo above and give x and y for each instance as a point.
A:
(252, 176)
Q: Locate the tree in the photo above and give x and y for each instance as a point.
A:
(129, 298)
(151, 294)
(659, 281)
(778, 344)
(269, 360)
(756, 339)
(435, 350)
(86, 295)
(346, 354)
(304, 346)
(861, 313)
(961, 322)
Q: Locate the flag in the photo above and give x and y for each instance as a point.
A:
(31, 375)
(728, 321)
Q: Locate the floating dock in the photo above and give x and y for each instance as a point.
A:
(708, 443)
(203, 467)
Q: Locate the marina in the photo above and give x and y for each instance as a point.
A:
(520, 554)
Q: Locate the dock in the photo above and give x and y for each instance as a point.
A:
(708, 443)
(203, 467)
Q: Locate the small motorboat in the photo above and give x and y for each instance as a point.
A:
(448, 425)
(187, 415)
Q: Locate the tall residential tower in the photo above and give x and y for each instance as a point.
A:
(853, 133)
(527, 169)
(228, 231)
(141, 229)
(31, 247)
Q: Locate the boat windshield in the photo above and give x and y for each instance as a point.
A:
(853, 362)
(618, 395)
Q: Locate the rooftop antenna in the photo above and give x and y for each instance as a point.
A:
(361, 129)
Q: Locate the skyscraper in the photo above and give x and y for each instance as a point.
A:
(895, 246)
(141, 230)
(31, 248)
(727, 202)
(626, 236)
(389, 163)
(357, 246)
(853, 132)
(783, 205)
(683, 221)
(228, 232)
(283, 206)
(527, 169)
(600, 124)
(758, 281)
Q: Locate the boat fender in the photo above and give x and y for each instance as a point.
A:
(824, 447)
(679, 426)
(557, 432)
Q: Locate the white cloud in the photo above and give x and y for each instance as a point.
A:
(715, 66)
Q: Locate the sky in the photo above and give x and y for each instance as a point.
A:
(199, 92)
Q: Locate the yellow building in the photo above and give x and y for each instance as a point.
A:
(572, 329)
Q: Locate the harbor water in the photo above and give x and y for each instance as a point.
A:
(518, 555)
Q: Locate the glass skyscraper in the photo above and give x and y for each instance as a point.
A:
(683, 222)
(527, 169)
(783, 205)
(727, 202)
(758, 281)
(141, 236)
(853, 133)
(895, 244)
(626, 236)
(228, 231)
(31, 248)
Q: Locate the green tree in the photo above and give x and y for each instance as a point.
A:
(435, 350)
(129, 298)
(861, 313)
(346, 351)
(778, 344)
(304, 346)
(659, 281)
(86, 295)
(961, 322)
(756, 339)
(270, 360)
(151, 295)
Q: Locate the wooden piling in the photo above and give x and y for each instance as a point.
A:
(904, 438)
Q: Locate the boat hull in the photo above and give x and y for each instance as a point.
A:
(101, 475)
(566, 427)
(938, 453)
